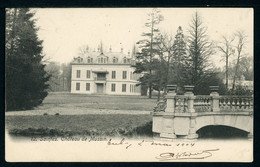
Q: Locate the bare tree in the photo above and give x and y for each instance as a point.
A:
(83, 50)
(225, 46)
(239, 49)
(147, 45)
(166, 53)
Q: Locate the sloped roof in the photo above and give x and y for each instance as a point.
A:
(109, 55)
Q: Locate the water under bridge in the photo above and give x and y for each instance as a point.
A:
(181, 116)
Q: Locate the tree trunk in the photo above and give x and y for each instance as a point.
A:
(237, 66)
(227, 71)
(150, 85)
(167, 74)
(151, 55)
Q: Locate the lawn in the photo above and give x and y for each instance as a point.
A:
(75, 117)
(139, 103)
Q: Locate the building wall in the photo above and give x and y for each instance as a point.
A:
(118, 81)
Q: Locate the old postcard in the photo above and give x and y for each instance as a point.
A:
(129, 85)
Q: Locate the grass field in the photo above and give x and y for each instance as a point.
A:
(84, 114)
(100, 102)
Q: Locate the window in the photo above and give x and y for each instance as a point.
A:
(132, 88)
(124, 75)
(98, 60)
(114, 60)
(123, 87)
(77, 86)
(88, 73)
(125, 60)
(90, 60)
(101, 59)
(78, 73)
(87, 86)
(105, 60)
(113, 74)
(113, 87)
(80, 59)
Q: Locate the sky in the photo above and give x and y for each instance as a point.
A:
(65, 30)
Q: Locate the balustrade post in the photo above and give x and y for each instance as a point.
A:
(215, 98)
(190, 96)
(170, 98)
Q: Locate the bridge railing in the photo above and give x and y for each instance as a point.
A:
(236, 103)
(180, 103)
(202, 103)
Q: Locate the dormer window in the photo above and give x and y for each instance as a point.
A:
(79, 59)
(115, 60)
(125, 60)
(90, 60)
(102, 59)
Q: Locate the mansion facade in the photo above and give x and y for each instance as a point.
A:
(105, 73)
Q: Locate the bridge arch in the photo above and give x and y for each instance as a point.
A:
(242, 122)
(221, 131)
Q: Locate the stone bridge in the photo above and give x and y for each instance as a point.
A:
(181, 116)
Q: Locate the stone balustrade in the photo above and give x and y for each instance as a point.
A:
(202, 103)
(236, 103)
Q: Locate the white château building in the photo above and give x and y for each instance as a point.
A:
(105, 73)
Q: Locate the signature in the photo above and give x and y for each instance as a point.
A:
(203, 154)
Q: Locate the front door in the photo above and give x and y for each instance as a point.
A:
(99, 88)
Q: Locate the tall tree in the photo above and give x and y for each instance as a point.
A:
(53, 69)
(165, 54)
(60, 79)
(66, 76)
(225, 46)
(247, 70)
(200, 48)
(26, 79)
(179, 56)
(241, 36)
(147, 45)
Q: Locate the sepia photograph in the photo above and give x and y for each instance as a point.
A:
(129, 84)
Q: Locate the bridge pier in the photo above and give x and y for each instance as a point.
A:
(192, 132)
(190, 97)
(167, 123)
